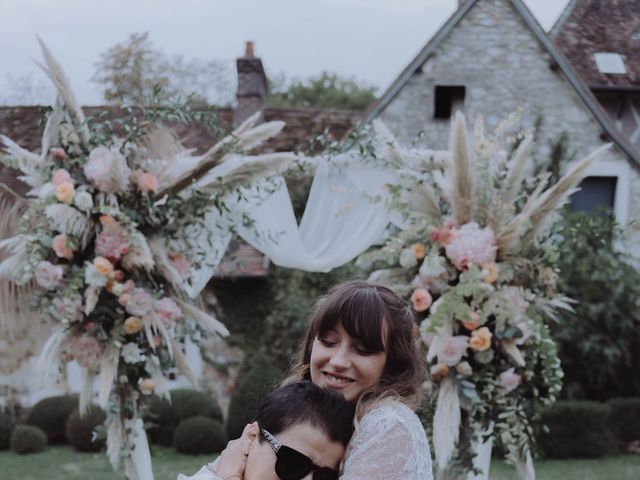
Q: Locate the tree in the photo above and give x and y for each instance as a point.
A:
(327, 90)
(136, 71)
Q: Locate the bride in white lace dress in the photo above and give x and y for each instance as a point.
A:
(360, 342)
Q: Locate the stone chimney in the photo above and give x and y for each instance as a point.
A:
(252, 85)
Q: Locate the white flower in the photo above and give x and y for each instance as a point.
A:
(472, 245)
(408, 259)
(48, 275)
(107, 169)
(93, 277)
(84, 201)
(131, 353)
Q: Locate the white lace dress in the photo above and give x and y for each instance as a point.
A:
(389, 444)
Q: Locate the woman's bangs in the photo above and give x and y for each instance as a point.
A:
(363, 318)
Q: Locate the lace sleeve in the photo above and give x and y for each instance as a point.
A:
(390, 444)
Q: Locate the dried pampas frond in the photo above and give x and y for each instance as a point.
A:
(139, 254)
(182, 365)
(108, 373)
(86, 393)
(56, 74)
(446, 422)
(70, 221)
(524, 466)
(163, 264)
(51, 129)
(49, 359)
(116, 436)
(462, 168)
(27, 162)
(208, 322)
(517, 170)
(557, 195)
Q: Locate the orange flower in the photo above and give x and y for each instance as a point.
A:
(491, 270)
(439, 372)
(147, 385)
(480, 339)
(474, 322)
(103, 266)
(147, 182)
(418, 250)
(421, 299)
(106, 220)
(65, 192)
(132, 325)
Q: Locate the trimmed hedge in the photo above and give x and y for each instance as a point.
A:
(577, 429)
(28, 439)
(165, 416)
(257, 381)
(51, 414)
(6, 426)
(199, 435)
(625, 419)
(80, 429)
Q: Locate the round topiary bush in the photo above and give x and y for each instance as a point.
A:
(199, 435)
(258, 380)
(577, 429)
(165, 416)
(624, 419)
(6, 426)
(28, 439)
(51, 414)
(80, 429)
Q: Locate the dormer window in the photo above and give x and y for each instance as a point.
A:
(448, 100)
(609, 62)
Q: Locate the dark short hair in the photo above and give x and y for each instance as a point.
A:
(303, 402)
(382, 321)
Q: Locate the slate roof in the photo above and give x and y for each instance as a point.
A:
(589, 26)
(24, 126)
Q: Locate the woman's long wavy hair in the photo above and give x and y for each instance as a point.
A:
(382, 321)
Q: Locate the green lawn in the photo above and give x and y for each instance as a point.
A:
(62, 463)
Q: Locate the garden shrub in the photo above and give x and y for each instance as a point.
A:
(199, 435)
(6, 426)
(51, 414)
(257, 380)
(80, 429)
(28, 439)
(577, 429)
(624, 419)
(165, 416)
(597, 344)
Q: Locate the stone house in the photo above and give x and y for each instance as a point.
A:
(492, 57)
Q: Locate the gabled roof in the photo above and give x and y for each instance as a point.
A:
(613, 27)
(563, 65)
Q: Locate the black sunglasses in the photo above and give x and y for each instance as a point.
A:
(293, 465)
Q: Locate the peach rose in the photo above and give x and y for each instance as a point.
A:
(60, 176)
(474, 322)
(104, 266)
(480, 339)
(106, 220)
(421, 299)
(147, 182)
(439, 371)
(443, 236)
(59, 153)
(491, 270)
(147, 385)
(59, 245)
(65, 192)
(132, 325)
(418, 250)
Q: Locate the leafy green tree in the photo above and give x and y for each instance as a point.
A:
(136, 71)
(327, 90)
(599, 343)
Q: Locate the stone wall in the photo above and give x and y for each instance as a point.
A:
(494, 54)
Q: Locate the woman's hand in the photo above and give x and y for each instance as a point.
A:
(233, 459)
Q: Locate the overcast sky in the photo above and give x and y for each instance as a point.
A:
(370, 40)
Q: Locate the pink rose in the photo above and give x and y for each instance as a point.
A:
(112, 241)
(138, 303)
(167, 310)
(59, 153)
(147, 182)
(69, 308)
(472, 245)
(60, 176)
(59, 245)
(87, 351)
(421, 299)
(48, 275)
(509, 380)
(453, 349)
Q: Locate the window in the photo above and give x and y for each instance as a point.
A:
(609, 62)
(597, 195)
(448, 99)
